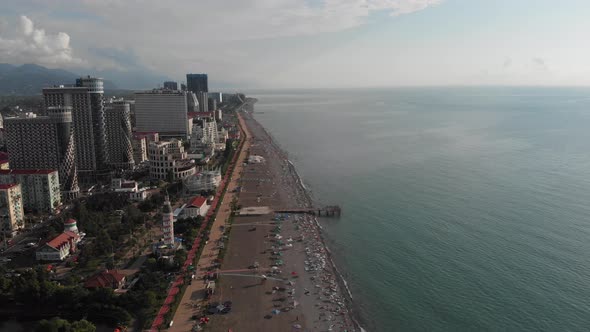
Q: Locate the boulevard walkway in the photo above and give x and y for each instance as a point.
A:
(196, 291)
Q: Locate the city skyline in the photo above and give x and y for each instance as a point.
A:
(315, 43)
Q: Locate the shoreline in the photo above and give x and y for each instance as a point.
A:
(309, 200)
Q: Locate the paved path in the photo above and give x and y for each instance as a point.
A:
(196, 291)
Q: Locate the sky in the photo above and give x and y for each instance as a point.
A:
(309, 43)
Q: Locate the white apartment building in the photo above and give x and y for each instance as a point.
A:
(169, 161)
(204, 132)
(40, 188)
(163, 111)
(11, 208)
(130, 188)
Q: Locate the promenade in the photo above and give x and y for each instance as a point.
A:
(194, 295)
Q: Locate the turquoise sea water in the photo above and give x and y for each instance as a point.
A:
(465, 209)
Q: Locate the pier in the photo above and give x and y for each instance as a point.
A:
(327, 211)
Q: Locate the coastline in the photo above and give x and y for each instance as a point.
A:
(309, 200)
(276, 271)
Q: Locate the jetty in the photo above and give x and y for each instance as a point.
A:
(327, 211)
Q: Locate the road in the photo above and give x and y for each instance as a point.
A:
(196, 291)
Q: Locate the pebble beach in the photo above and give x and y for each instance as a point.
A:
(277, 270)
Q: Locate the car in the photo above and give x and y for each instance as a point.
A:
(30, 245)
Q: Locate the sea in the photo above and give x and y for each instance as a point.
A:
(464, 208)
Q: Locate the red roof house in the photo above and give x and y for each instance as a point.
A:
(196, 207)
(104, 279)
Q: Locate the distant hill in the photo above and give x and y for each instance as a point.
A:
(30, 79)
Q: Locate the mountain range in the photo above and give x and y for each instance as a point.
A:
(30, 79)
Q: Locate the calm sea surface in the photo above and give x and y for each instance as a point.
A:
(465, 209)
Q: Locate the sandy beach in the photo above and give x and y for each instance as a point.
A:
(276, 271)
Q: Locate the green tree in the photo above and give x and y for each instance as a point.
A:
(104, 244)
(56, 324)
(83, 326)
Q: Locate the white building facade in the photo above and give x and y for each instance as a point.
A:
(168, 161)
(163, 111)
(11, 208)
(40, 188)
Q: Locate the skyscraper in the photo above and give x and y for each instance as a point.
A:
(87, 103)
(78, 98)
(45, 142)
(119, 135)
(163, 111)
(170, 85)
(212, 104)
(203, 98)
(96, 89)
(197, 83)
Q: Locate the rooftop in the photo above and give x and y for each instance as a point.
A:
(108, 278)
(198, 201)
(8, 186)
(200, 114)
(27, 171)
(70, 221)
(62, 239)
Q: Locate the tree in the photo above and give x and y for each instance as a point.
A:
(103, 242)
(83, 326)
(180, 257)
(56, 324)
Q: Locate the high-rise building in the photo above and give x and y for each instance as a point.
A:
(139, 149)
(87, 102)
(193, 102)
(203, 98)
(45, 142)
(204, 132)
(212, 104)
(119, 135)
(11, 208)
(170, 85)
(78, 98)
(164, 112)
(40, 187)
(96, 89)
(168, 223)
(217, 96)
(197, 83)
(182, 87)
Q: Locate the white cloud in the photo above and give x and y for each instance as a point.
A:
(187, 35)
(28, 44)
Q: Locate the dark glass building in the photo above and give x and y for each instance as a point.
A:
(197, 83)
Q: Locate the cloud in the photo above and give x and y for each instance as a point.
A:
(30, 45)
(540, 63)
(400, 7)
(230, 39)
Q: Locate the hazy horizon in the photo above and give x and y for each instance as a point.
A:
(309, 43)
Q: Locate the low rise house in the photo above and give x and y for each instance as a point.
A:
(196, 207)
(59, 248)
(106, 279)
(130, 188)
